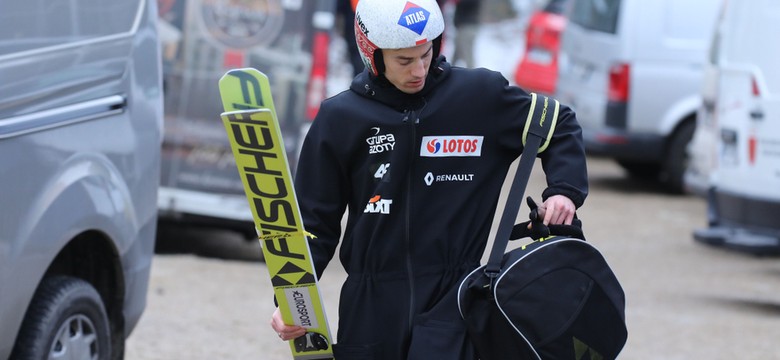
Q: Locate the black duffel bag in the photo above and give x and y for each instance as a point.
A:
(555, 298)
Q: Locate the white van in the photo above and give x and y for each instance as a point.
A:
(632, 69)
(735, 154)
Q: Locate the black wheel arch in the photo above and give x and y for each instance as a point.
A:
(675, 154)
(93, 257)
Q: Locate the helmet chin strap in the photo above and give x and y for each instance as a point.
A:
(436, 48)
(379, 63)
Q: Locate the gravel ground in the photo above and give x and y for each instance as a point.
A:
(210, 297)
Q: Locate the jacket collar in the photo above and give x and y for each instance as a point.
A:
(378, 88)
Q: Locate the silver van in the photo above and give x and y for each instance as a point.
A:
(632, 70)
(202, 39)
(80, 135)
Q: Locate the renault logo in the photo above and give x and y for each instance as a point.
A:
(429, 179)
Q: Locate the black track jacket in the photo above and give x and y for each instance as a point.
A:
(420, 176)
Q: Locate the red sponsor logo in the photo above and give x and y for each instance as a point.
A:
(444, 146)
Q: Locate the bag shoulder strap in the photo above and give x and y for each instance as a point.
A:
(541, 128)
(538, 123)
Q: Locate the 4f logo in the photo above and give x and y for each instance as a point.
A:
(377, 205)
(381, 171)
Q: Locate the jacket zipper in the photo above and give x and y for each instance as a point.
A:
(410, 115)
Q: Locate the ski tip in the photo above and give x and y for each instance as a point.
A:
(249, 70)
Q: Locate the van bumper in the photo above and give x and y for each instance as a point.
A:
(620, 144)
(741, 223)
(196, 208)
(739, 239)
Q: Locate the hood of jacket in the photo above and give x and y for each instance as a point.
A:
(380, 89)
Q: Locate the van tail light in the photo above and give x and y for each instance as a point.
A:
(754, 85)
(752, 143)
(319, 73)
(755, 115)
(619, 79)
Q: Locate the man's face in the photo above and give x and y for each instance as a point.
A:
(407, 68)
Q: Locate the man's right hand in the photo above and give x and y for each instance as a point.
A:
(285, 332)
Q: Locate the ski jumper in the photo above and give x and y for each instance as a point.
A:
(420, 176)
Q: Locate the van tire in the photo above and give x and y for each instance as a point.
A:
(640, 169)
(676, 161)
(66, 315)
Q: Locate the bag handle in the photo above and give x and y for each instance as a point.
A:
(536, 229)
(539, 129)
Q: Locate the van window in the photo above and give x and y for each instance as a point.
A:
(685, 31)
(556, 6)
(713, 53)
(749, 40)
(32, 24)
(598, 15)
(714, 50)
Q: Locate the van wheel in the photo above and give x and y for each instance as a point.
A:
(640, 169)
(66, 320)
(676, 161)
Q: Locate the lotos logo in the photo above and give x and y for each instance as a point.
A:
(414, 18)
(445, 146)
(377, 205)
(434, 146)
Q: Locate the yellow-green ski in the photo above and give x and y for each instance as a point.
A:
(256, 140)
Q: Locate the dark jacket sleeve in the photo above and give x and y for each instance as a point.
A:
(564, 159)
(321, 188)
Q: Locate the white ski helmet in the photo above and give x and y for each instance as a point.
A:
(395, 24)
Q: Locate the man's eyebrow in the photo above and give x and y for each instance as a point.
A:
(402, 57)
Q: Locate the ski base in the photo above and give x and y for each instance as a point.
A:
(256, 141)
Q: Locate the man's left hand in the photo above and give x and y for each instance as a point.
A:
(557, 210)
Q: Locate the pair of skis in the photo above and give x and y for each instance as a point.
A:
(256, 140)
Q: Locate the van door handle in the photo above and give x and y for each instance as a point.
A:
(757, 115)
(709, 105)
(61, 116)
